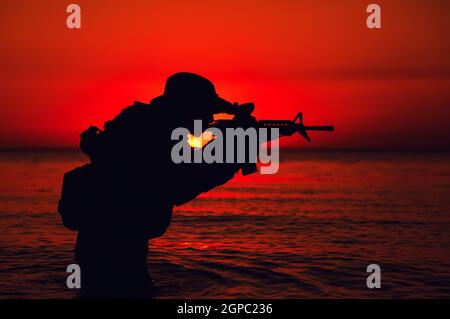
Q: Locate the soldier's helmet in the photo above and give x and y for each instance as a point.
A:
(194, 93)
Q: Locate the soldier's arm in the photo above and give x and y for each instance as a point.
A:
(194, 179)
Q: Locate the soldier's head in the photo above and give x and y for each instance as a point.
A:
(193, 96)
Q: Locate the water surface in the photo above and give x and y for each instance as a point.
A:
(309, 231)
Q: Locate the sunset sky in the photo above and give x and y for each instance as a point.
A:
(380, 88)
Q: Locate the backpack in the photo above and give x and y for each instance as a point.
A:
(76, 196)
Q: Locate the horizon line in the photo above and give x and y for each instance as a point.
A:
(285, 149)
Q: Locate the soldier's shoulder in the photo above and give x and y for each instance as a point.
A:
(137, 112)
(137, 109)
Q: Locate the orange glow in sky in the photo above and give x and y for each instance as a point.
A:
(380, 88)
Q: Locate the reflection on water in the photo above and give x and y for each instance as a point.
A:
(308, 231)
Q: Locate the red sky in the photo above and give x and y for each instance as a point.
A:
(380, 88)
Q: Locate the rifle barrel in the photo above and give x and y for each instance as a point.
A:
(295, 126)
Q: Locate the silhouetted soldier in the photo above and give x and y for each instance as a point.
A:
(126, 195)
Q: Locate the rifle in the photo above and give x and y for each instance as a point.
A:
(285, 127)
